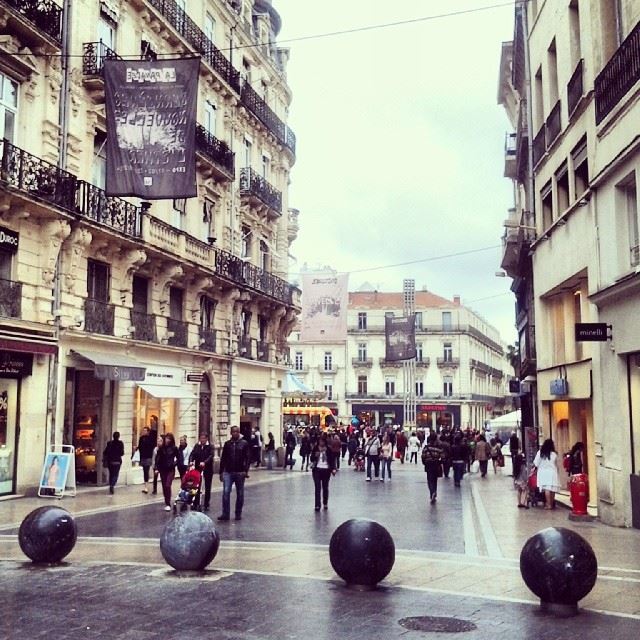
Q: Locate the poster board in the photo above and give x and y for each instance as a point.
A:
(58, 477)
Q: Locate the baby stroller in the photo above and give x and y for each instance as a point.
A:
(534, 495)
(358, 459)
(189, 491)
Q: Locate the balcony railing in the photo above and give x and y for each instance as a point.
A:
(190, 31)
(114, 212)
(93, 56)
(10, 298)
(448, 362)
(263, 351)
(177, 332)
(99, 317)
(45, 14)
(208, 340)
(252, 183)
(618, 76)
(423, 362)
(383, 362)
(259, 108)
(575, 88)
(144, 325)
(539, 145)
(37, 178)
(216, 150)
(362, 362)
(553, 124)
(290, 140)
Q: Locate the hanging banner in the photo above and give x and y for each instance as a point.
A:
(400, 334)
(324, 307)
(151, 127)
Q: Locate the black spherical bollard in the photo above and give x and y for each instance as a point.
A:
(189, 542)
(362, 553)
(560, 567)
(47, 534)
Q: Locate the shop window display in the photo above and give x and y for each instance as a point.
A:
(159, 414)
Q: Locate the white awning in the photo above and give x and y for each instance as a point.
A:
(169, 391)
(110, 366)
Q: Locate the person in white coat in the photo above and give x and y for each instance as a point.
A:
(414, 447)
(546, 463)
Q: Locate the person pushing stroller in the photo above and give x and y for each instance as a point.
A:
(189, 494)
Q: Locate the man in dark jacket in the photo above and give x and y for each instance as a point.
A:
(112, 459)
(202, 457)
(234, 468)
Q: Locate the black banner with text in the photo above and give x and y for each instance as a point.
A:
(400, 336)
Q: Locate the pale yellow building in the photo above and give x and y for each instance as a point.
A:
(115, 313)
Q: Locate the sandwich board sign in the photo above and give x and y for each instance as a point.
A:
(58, 472)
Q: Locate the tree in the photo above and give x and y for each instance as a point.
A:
(513, 357)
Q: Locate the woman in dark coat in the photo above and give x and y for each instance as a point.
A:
(165, 463)
(305, 450)
(323, 466)
(112, 459)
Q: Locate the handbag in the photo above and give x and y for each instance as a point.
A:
(397, 454)
(532, 480)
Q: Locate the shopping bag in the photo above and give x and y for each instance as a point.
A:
(397, 454)
(475, 466)
(532, 481)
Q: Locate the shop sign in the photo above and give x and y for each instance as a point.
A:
(194, 376)
(514, 386)
(8, 240)
(119, 373)
(164, 376)
(592, 332)
(432, 407)
(559, 387)
(15, 365)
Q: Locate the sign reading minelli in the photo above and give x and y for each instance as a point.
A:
(592, 332)
(8, 240)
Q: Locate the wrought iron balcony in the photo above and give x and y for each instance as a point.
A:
(575, 88)
(10, 299)
(180, 331)
(618, 76)
(423, 362)
(383, 362)
(215, 151)
(448, 362)
(98, 317)
(93, 56)
(259, 108)
(245, 347)
(254, 185)
(539, 145)
(263, 351)
(144, 325)
(190, 31)
(510, 162)
(553, 124)
(46, 15)
(111, 211)
(290, 140)
(37, 178)
(208, 340)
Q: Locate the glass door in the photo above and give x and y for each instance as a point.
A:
(8, 432)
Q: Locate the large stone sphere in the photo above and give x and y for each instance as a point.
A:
(559, 566)
(47, 534)
(190, 541)
(362, 552)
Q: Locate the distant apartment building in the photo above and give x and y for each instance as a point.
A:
(575, 97)
(461, 370)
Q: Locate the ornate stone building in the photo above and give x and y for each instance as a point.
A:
(115, 313)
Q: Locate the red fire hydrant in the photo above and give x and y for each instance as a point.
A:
(579, 490)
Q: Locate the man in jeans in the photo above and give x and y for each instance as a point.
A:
(234, 468)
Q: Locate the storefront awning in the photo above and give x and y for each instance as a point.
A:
(28, 346)
(110, 366)
(308, 411)
(168, 391)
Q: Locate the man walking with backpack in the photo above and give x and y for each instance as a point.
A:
(432, 461)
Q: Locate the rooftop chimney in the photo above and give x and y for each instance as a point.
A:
(456, 300)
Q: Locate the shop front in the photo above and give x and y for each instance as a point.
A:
(438, 416)
(633, 373)
(251, 411)
(378, 414)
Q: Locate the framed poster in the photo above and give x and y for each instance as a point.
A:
(55, 472)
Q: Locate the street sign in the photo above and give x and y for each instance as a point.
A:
(592, 332)
(514, 385)
(195, 377)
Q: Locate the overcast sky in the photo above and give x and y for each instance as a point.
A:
(401, 145)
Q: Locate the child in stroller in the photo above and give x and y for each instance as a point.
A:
(189, 489)
(358, 459)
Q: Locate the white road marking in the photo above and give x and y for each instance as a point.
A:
(470, 540)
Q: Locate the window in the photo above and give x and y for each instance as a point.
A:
(5, 266)
(179, 210)
(207, 312)
(210, 27)
(140, 294)
(245, 319)
(297, 363)
(448, 352)
(418, 320)
(580, 169)
(266, 167)
(100, 159)
(328, 361)
(264, 256)
(447, 386)
(538, 112)
(247, 152)
(208, 210)
(389, 387)
(98, 281)
(210, 117)
(627, 204)
(328, 389)
(577, 318)
(263, 327)
(562, 188)
(419, 351)
(176, 303)
(106, 31)
(552, 69)
(612, 27)
(362, 321)
(362, 385)
(574, 33)
(246, 70)
(8, 108)
(419, 388)
(546, 198)
(362, 351)
(246, 242)
(446, 320)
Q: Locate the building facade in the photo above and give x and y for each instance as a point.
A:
(117, 314)
(584, 82)
(461, 370)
